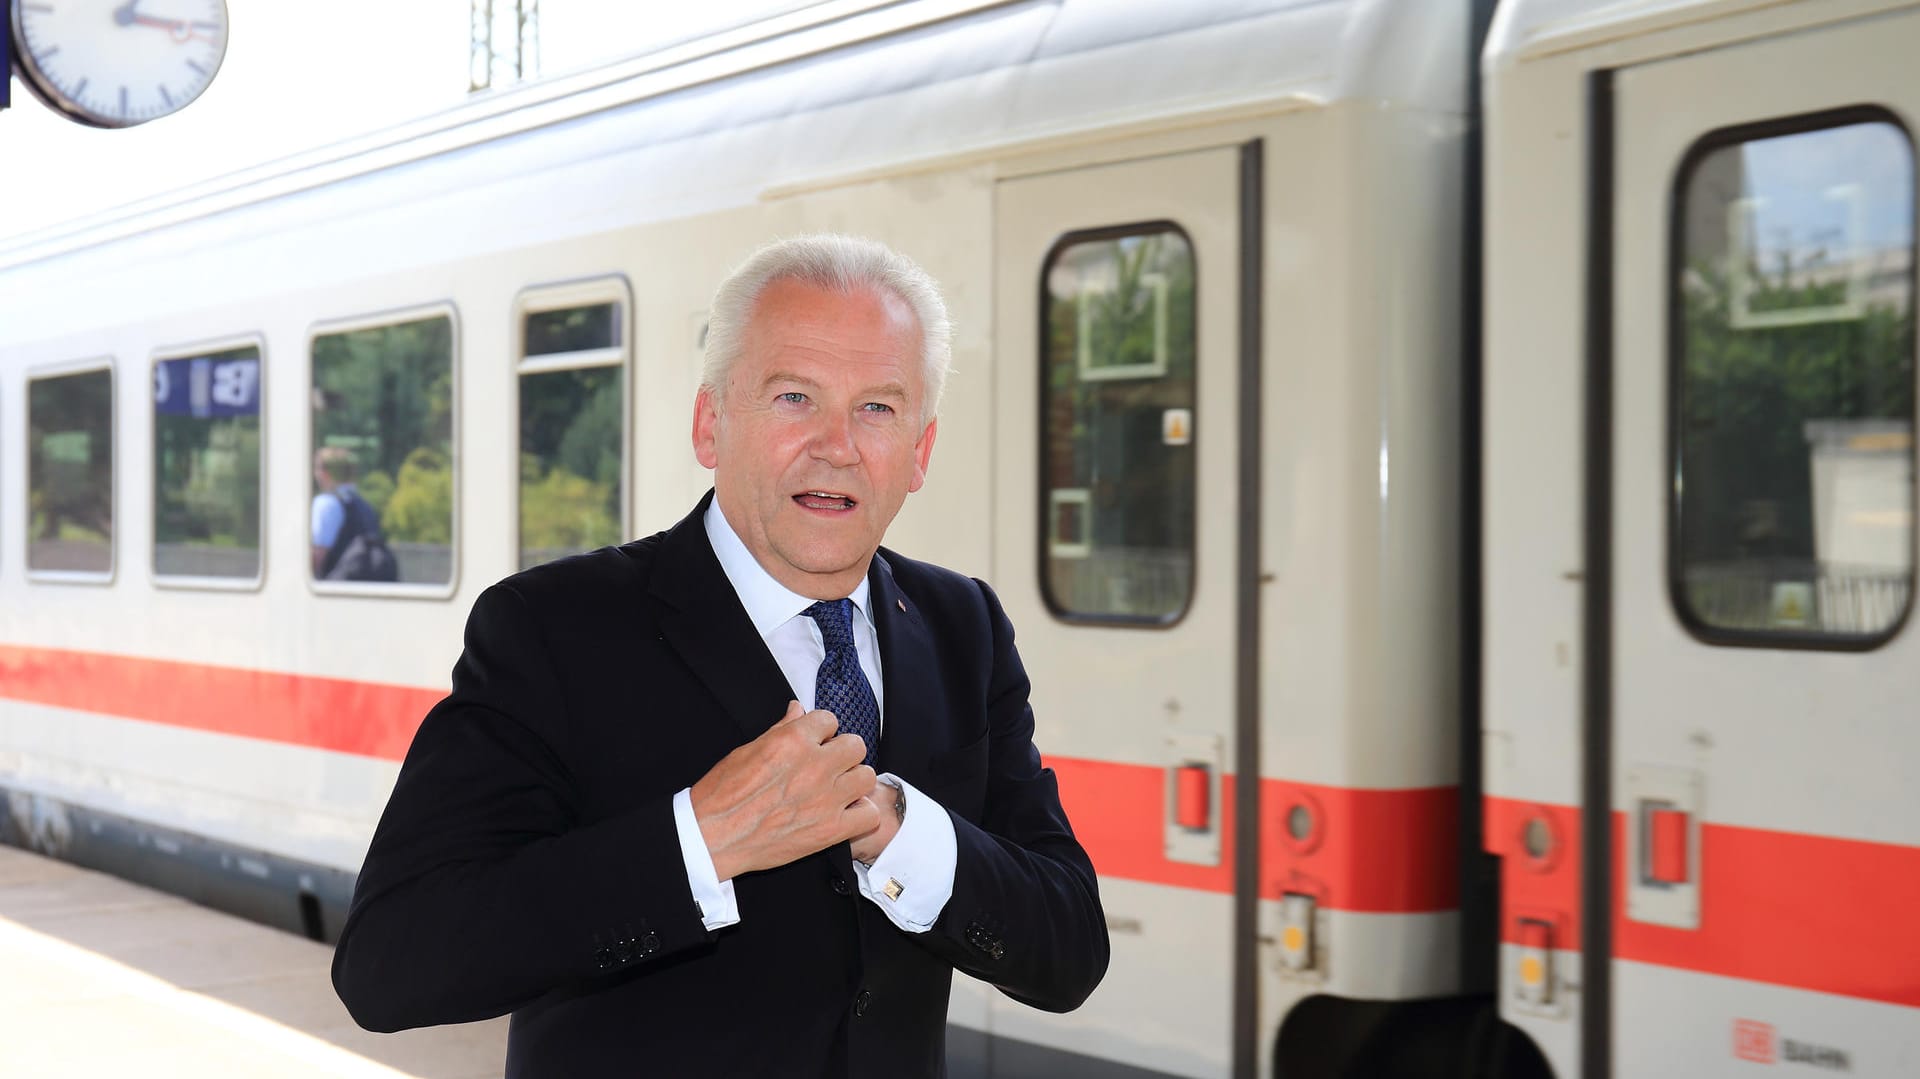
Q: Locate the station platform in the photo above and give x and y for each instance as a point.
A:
(102, 978)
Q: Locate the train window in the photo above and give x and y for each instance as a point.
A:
(1117, 426)
(383, 482)
(572, 420)
(70, 474)
(206, 465)
(1793, 383)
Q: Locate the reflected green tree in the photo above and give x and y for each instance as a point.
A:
(1748, 393)
(386, 393)
(571, 426)
(70, 472)
(420, 510)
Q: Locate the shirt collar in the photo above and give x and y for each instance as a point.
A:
(768, 602)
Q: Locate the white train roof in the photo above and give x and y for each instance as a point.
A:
(1526, 28)
(832, 91)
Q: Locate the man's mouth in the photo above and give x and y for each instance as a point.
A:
(825, 500)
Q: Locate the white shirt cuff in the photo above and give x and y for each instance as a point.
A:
(913, 878)
(713, 896)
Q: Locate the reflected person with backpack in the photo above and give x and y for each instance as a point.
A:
(347, 542)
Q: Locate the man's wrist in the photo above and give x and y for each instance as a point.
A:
(879, 799)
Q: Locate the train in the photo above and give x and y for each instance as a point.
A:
(1449, 463)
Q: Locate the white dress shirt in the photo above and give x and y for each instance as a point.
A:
(912, 879)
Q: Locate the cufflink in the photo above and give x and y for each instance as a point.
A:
(893, 888)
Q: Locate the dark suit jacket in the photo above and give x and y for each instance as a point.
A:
(528, 862)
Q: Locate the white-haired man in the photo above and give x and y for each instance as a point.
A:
(736, 799)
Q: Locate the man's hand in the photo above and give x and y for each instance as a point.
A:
(867, 848)
(797, 789)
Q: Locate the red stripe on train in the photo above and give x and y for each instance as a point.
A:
(367, 718)
(1546, 888)
(1783, 908)
(1811, 912)
(1386, 851)
(1372, 851)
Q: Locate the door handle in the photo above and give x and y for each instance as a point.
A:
(1193, 809)
(1663, 845)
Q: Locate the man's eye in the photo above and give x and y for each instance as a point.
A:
(792, 397)
(875, 406)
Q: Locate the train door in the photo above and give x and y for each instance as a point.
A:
(1766, 826)
(1117, 501)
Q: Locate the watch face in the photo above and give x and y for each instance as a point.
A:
(116, 63)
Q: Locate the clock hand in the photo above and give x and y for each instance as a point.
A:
(125, 13)
(182, 32)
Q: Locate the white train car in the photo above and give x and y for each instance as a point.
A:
(1699, 484)
(1215, 434)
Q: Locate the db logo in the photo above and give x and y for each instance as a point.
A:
(1753, 1041)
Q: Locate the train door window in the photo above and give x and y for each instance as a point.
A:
(383, 461)
(1117, 421)
(206, 466)
(70, 473)
(573, 419)
(1793, 384)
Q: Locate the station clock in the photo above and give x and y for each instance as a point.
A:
(117, 63)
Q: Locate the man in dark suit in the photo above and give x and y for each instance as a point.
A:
(737, 798)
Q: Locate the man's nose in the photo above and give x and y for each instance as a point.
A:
(833, 441)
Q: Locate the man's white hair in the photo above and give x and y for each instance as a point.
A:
(845, 264)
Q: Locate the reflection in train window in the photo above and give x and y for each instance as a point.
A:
(383, 437)
(572, 329)
(1793, 384)
(1117, 426)
(572, 431)
(206, 465)
(70, 473)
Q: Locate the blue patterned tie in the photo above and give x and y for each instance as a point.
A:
(841, 686)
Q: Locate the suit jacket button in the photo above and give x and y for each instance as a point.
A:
(988, 943)
(860, 1002)
(841, 886)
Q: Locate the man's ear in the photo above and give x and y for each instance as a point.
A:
(922, 453)
(706, 421)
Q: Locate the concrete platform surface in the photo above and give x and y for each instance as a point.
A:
(102, 978)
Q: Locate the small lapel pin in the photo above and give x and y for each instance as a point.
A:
(902, 603)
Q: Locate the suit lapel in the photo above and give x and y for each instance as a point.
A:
(703, 621)
(916, 713)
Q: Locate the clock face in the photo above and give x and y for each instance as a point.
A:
(116, 63)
